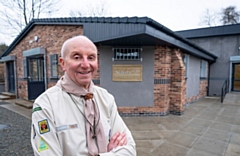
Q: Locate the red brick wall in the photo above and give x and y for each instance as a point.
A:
(162, 70)
(178, 83)
(51, 38)
(2, 79)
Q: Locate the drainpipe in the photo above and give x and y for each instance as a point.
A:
(45, 70)
(15, 77)
(208, 78)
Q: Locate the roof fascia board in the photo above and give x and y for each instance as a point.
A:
(225, 30)
(172, 40)
(58, 23)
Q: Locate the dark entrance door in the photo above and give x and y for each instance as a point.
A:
(236, 77)
(10, 76)
(35, 72)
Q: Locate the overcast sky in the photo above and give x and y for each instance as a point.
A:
(174, 14)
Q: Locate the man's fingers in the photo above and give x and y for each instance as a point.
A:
(114, 138)
(121, 139)
(118, 139)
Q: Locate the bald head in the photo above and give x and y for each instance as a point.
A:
(76, 41)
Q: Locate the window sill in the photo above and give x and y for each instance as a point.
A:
(203, 78)
(54, 78)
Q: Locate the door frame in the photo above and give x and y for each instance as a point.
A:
(39, 80)
(233, 72)
(233, 60)
(9, 80)
(37, 53)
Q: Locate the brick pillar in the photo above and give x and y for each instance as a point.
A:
(178, 83)
(162, 75)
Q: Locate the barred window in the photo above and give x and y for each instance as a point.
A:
(127, 54)
(54, 65)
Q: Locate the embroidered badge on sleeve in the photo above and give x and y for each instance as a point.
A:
(36, 109)
(42, 145)
(43, 126)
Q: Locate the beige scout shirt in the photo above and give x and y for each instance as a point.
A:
(58, 127)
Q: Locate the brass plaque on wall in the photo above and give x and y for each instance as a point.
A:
(127, 72)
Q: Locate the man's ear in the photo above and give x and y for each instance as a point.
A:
(62, 63)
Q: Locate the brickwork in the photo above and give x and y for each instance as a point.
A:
(178, 83)
(51, 38)
(2, 72)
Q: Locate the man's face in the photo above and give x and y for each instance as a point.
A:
(80, 61)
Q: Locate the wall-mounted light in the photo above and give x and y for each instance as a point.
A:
(36, 38)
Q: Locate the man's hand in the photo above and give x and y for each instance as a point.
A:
(118, 139)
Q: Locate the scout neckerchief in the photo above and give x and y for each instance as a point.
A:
(95, 137)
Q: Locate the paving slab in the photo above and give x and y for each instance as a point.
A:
(211, 146)
(168, 149)
(236, 129)
(196, 152)
(201, 122)
(221, 126)
(226, 119)
(217, 135)
(235, 139)
(193, 129)
(207, 116)
(183, 139)
(233, 149)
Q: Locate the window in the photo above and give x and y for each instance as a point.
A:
(186, 60)
(127, 54)
(35, 68)
(203, 69)
(24, 68)
(54, 65)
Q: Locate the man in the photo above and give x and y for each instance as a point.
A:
(79, 118)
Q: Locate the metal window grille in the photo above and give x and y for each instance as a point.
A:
(127, 54)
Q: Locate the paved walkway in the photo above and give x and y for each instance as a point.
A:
(207, 128)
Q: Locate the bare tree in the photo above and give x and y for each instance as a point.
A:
(98, 8)
(3, 47)
(16, 14)
(230, 15)
(209, 18)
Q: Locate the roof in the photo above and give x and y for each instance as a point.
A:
(233, 29)
(125, 31)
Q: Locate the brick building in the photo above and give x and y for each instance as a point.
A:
(148, 68)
